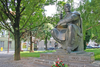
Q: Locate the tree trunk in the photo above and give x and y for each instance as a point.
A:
(17, 31)
(17, 38)
(17, 45)
(20, 47)
(46, 42)
(31, 46)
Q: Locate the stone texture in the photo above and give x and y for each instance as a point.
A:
(70, 64)
(69, 57)
(72, 60)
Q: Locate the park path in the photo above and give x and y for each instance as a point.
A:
(7, 60)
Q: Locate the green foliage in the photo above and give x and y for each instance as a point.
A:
(31, 14)
(24, 16)
(87, 38)
(60, 5)
(43, 31)
(5, 17)
(90, 12)
(48, 2)
(30, 11)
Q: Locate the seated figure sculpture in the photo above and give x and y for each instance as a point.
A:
(68, 31)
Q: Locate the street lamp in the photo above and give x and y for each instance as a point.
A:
(8, 41)
(8, 21)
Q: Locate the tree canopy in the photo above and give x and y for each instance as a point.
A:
(90, 12)
(24, 16)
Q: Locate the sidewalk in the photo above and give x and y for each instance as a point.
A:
(6, 52)
(7, 60)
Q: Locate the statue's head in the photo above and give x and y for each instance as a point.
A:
(67, 7)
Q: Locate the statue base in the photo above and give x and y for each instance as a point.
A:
(74, 59)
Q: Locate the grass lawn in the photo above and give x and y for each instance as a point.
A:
(96, 52)
(37, 53)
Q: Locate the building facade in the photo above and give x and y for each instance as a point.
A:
(5, 41)
(39, 44)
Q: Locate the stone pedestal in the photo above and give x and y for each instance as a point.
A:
(74, 59)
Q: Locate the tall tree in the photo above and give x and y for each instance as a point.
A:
(46, 30)
(43, 33)
(90, 12)
(18, 18)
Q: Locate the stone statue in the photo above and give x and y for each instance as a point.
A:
(68, 31)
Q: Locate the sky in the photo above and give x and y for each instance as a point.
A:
(51, 9)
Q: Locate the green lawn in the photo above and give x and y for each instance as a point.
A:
(37, 53)
(96, 52)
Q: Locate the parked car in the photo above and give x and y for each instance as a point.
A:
(51, 48)
(89, 47)
(93, 47)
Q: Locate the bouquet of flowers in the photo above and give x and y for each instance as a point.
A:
(59, 63)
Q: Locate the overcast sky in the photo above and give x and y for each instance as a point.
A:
(51, 9)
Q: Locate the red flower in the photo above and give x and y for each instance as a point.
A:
(62, 64)
(57, 62)
(56, 65)
(51, 66)
(61, 61)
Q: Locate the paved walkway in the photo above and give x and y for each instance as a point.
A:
(7, 60)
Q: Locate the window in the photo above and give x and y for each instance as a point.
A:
(37, 43)
(1, 44)
(3, 32)
(10, 44)
(50, 42)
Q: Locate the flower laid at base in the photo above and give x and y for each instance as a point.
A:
(59, 63)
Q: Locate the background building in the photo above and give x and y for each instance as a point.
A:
(5, 40)
(39, 44)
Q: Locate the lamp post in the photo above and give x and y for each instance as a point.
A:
(8, 41)
(8, 21)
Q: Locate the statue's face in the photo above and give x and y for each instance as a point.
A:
(67, 8)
